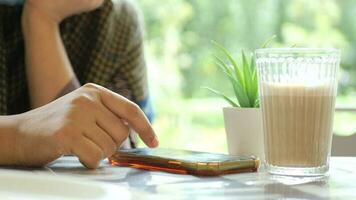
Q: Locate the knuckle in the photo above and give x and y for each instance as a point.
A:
(91, 86)
(112, 150)
(108, 149)
(93, 160)
(96, 3)
(91, 164)
(92, 90)
(97, 156)
(83, 99)
(123, 136)
(145, 130)
(133, 110)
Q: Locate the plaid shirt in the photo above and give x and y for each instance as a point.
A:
(104, 47)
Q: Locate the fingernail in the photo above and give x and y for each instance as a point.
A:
(154, 142)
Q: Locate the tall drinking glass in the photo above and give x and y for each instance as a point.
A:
(297, 92)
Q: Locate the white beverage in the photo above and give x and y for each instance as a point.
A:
(297, 122)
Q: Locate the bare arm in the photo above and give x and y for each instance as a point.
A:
(47, 65)
(8, 151)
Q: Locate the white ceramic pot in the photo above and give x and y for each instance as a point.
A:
(244, 133)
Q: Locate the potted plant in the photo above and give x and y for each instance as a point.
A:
(243, 120)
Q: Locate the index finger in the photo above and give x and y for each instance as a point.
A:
(131, 113)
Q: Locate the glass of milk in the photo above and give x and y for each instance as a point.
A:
(297, 92)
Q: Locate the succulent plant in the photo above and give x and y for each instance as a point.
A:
(243, 78)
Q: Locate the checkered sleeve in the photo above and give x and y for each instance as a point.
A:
(131, 70)
(129, 77)
(106, 47)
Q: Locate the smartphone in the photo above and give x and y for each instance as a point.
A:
(184, 161)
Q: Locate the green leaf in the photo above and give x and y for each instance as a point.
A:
(257, 103)
(238, 73)
(224, 66)
(224, 71)
(231, 102)
(243, 78)
(240, 92)
(268, 41)
(254, 86)
(248, 79)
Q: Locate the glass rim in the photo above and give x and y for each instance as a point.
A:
(298, 50)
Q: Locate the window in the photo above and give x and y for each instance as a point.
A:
(180, 57)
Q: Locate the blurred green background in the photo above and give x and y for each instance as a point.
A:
(180, 58)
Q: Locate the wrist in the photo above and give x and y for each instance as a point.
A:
(9, 138)
(33, 19)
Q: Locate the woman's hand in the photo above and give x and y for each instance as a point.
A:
(57, 10)
(91, 122)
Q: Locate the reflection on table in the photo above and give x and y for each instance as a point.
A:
(340, 184)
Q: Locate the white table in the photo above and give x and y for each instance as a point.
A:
(340, 184)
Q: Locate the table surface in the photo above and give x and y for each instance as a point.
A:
(340, 184)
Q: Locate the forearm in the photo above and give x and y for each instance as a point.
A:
(8, 147)
(47, 65)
